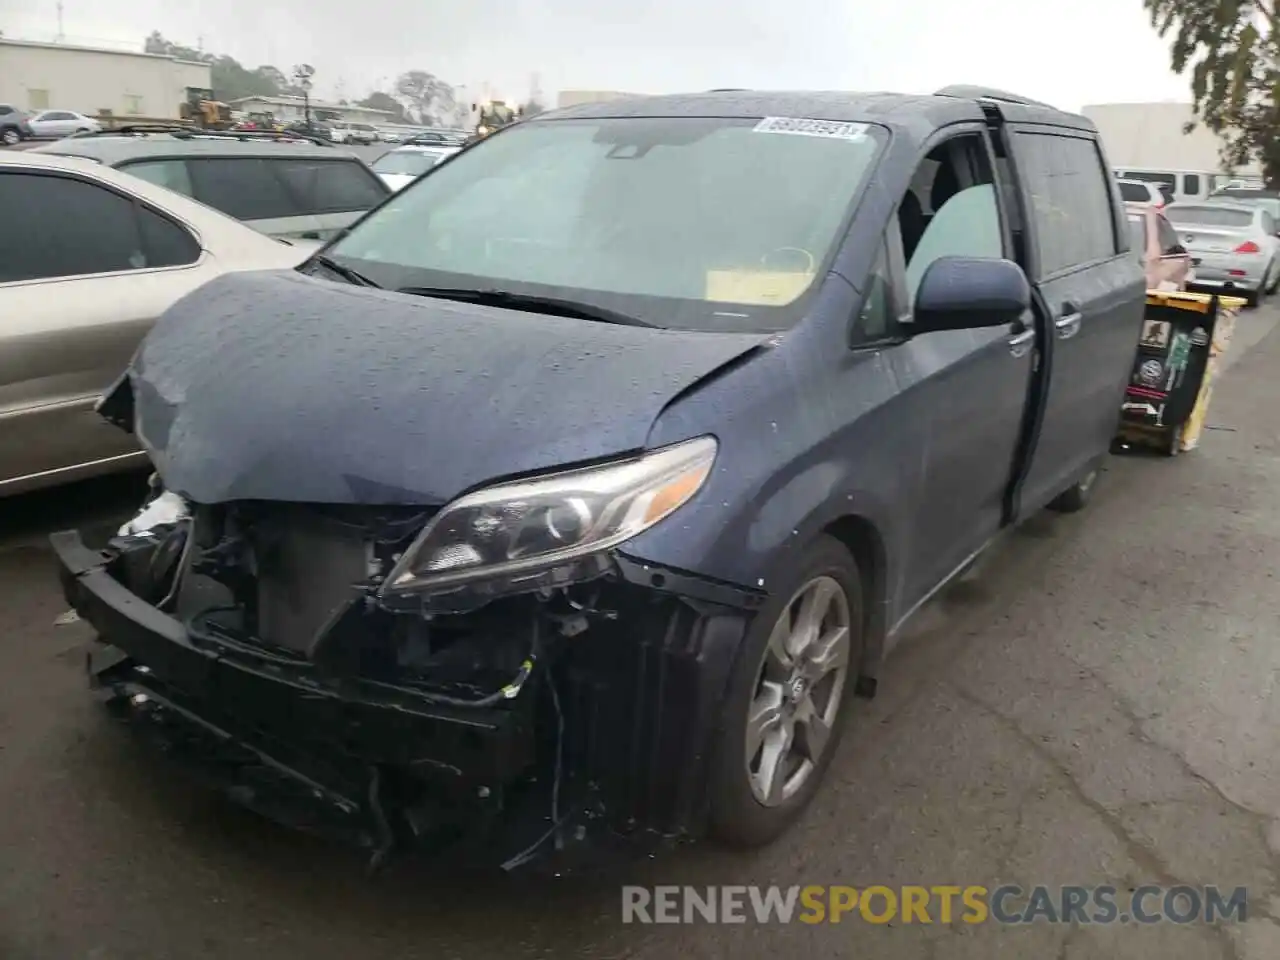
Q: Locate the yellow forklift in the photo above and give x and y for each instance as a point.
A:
(202, 110)
(491, 115)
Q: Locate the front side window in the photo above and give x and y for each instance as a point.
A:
(54, 241)
(691, 223)
(966, 225)
(1070, 200)
(876, 318)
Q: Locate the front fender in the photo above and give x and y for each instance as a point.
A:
(806, 442)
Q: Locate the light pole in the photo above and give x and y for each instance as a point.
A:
(302, 75)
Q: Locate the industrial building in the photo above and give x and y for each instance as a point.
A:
(38, 76)
(295, 108)
(1150, 136)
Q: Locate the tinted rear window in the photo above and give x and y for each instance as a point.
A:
(1135, 192)
(266, 189)
(244, 188)
(330, 186)
(1210, 216)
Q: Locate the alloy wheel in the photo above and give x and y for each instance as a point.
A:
(799, 690)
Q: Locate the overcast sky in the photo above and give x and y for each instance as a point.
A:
(1090, 51)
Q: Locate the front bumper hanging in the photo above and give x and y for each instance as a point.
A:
(614, 739)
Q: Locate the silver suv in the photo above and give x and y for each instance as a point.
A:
(285, 187)
(13, 125)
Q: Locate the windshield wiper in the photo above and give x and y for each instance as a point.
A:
(530, 302)
(351, 276)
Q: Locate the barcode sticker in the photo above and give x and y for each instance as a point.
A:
(802, 127)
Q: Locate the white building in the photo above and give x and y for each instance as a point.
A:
(88, 80)
(294, 108)
(1149, 136)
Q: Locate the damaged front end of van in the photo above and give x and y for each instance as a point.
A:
(483, 673)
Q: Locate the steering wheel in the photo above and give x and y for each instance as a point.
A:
(811, 262)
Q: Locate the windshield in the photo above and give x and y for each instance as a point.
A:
(1210, 216)
(689, 223)
(410, 163)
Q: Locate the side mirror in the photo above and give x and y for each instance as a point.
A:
(963, 293)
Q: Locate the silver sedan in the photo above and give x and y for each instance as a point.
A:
(1234, 246)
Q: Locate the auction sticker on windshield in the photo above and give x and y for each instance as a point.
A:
(801, 127)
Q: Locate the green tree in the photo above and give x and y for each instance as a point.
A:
(1232, 48)
(231, 79)
(430, 99)
(378, 100)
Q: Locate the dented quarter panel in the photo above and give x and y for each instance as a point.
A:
(277, 386)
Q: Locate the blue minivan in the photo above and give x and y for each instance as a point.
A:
(573, 491)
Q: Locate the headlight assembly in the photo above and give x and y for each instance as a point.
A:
(517, 530)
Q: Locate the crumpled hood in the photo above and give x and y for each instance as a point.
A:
(278, 386)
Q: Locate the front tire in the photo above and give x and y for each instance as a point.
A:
(10, 137)
(788, 697)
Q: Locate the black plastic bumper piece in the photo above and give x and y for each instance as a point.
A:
(277, 738)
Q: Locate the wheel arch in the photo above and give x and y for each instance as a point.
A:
(865, 543)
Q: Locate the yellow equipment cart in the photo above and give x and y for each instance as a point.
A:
(1183, 338)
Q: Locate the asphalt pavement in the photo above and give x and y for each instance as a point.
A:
(1094, 705)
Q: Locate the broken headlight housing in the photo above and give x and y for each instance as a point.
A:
(517, 530)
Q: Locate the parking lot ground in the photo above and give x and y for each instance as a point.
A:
(1095, 705)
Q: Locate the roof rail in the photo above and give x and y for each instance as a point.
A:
(729, 90)
(132, 128)
(189, 132)
(965, 91)
(192, 133)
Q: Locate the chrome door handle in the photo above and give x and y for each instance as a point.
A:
(1020, 343)
(1068, 325)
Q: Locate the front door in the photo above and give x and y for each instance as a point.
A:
(964, 390)
(1093, 294)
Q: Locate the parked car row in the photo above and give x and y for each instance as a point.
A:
(574, 491)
